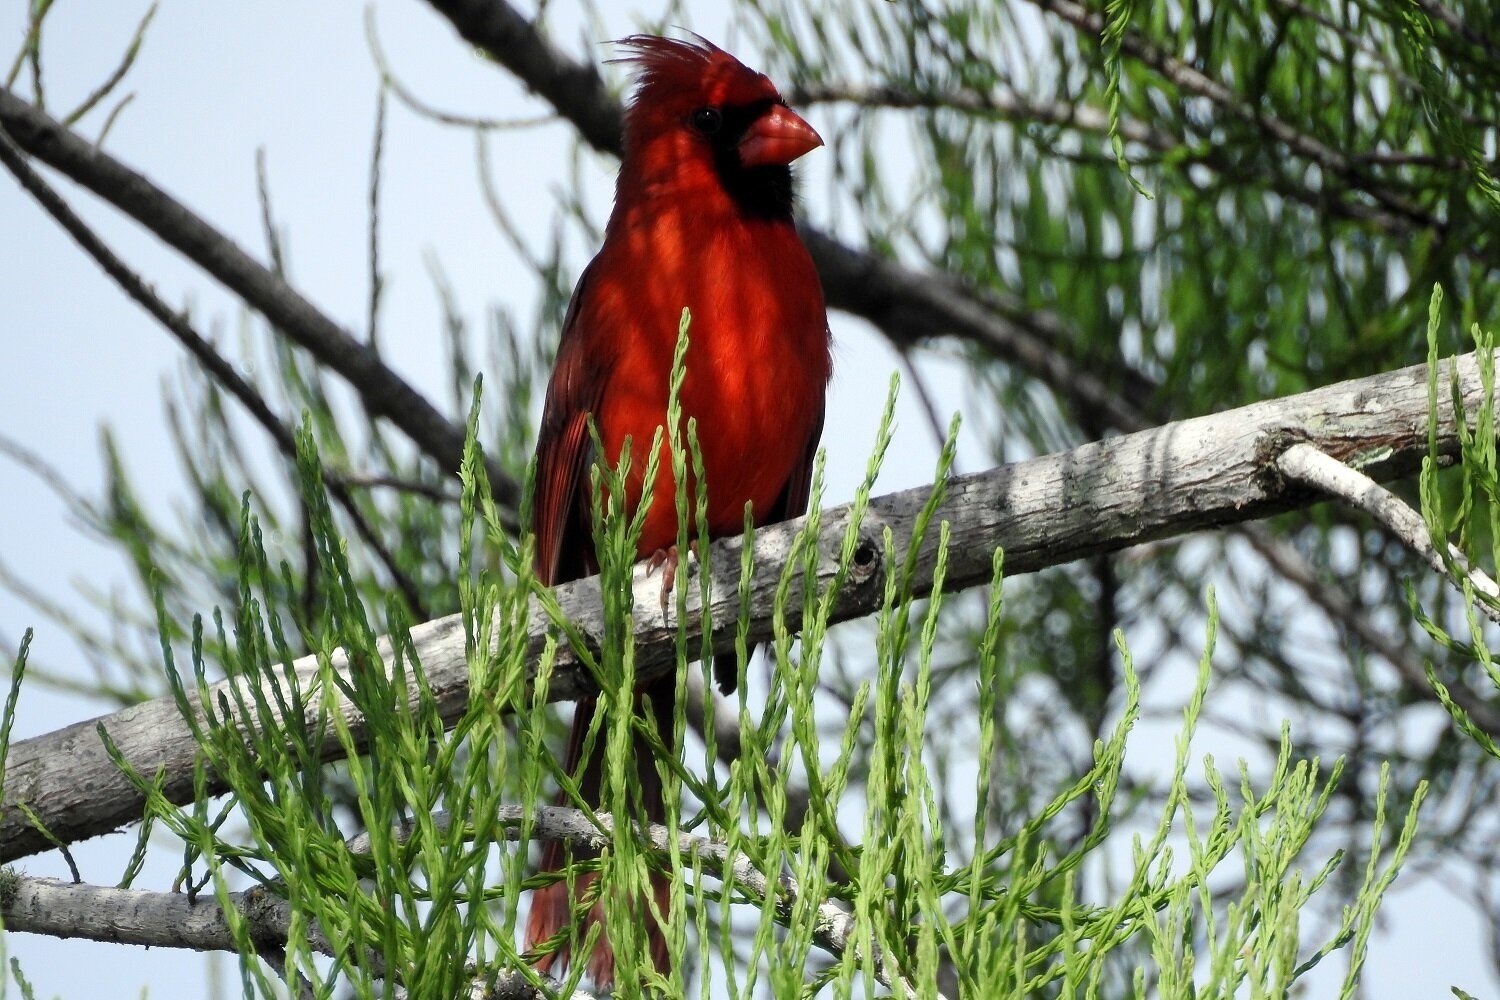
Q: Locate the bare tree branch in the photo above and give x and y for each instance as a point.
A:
(1204, 472)
(176, 920)
(1008, 106)
(197, 345)
(1305, 463)
(55, 908)
(384, 392)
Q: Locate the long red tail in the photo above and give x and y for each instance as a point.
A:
(551, 907)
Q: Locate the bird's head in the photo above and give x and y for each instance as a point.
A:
(700, 116)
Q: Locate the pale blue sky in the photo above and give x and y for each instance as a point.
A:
(214, 83)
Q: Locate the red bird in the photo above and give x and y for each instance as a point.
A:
(702, 220)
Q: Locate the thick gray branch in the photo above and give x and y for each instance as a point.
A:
(1205, 472)
(34, 905)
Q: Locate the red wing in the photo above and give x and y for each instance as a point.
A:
(563, 551)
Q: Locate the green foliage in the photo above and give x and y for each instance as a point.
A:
(428, 896)
(1118, 13)
(1462, 511)
(8, 714)
(1314, 168)
(954, 776)
(416, 899)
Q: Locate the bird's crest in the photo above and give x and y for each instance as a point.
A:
(668, 68)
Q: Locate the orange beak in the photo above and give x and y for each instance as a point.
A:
(777, 138)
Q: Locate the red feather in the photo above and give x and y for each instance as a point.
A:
(702, 220)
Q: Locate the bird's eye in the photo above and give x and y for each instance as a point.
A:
(707, 120)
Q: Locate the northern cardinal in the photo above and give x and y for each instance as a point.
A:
(702, 219)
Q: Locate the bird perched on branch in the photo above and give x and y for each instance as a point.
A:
(702, 220)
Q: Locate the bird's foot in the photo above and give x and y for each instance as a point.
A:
(665, 560)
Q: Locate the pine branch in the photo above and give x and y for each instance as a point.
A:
(1199, 473)
(1006, 106)
(1086, 119)
(1392, 211)
(1486, 44)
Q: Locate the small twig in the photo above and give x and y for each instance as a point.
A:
(369, 480)
(109, 121)
(1305, 464)
(52, 838)
(929, 405)
(496, 206)
(113, 80)
(377, 282)
(31, 50)
(267, 220)
(1005, 106)
(295, 981)
(405, 96)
